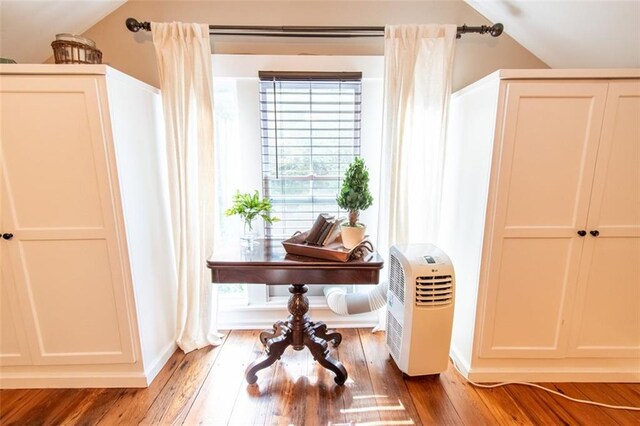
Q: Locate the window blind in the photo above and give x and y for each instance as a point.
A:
(310, 132)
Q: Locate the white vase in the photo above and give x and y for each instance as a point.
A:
(352, 235)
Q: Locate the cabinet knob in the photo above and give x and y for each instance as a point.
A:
(7, 236)
(582, 232)
(595, 232)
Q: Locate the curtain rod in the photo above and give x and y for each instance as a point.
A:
(296, 31)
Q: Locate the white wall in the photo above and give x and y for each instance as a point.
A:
(476, 55)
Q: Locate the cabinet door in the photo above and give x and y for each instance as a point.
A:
(13, 343)
(544, 165)
(607, 315)
(58, 203)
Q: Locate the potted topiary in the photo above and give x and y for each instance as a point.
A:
(354, 196)
(249, 207)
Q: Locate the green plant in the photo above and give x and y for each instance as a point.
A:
(354, 195)
(249, 206)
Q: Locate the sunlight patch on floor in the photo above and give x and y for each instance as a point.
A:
(398, 407)
(370, 396)
(375, 423)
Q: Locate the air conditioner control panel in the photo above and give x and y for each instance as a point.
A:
(428, 260)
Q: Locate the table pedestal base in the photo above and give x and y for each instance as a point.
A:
(298, 331)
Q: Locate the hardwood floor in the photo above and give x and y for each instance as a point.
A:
(208, 387)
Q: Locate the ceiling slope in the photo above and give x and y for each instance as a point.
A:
(563, 34)
(571, 34)
(27, 28)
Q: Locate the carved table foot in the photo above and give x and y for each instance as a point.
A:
(320, 351)
(320, 330)
(275, 348)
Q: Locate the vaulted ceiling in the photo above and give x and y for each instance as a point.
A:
(563, 34)
(28, 27)
(571, 34)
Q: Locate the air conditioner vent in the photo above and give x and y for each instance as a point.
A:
(434, 290)
(396, 278)
(394, 335)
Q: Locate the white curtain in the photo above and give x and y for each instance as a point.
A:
(183, 54)
(417, 86)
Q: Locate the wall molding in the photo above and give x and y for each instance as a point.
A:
(159, 362)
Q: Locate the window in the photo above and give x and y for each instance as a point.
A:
(239, 158)
(310, 132)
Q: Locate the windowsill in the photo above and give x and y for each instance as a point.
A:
(263, 315)
(274, 304)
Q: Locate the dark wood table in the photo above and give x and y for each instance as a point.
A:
(268, 263)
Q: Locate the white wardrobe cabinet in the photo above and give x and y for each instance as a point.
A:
(541, 219)
(87, 280)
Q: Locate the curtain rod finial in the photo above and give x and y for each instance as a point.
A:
(497, 29)
(134, 25)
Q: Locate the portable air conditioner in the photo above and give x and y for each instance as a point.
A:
(420, 308)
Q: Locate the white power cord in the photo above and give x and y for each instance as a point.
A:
(533, 385)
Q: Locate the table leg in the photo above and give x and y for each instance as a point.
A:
(275, 349)
(320, 351)
(298, 320)
(275, 331)
(304, 333)
(320, 330)
(299, 332)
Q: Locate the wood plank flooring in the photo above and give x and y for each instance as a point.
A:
(208, 387)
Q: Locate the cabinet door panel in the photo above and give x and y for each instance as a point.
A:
(548, 146)
(529, 294)
(76, 311)
(552, 143)
(615, 204)
(14, 349)
(13, 344)
(607, 318)
(58, 201)
(52, 166)
(607, 321)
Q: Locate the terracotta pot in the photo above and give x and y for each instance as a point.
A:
(352, 235)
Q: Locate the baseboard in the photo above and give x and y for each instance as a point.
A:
(152, 371)
(493, 375)
(26, 380)
(83, 380)
(460, 361)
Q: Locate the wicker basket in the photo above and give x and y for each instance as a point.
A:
(71, 52)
